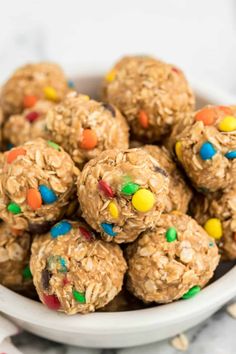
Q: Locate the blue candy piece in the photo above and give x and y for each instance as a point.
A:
(70, 84)
(63, 265)
(231, 154)
(47, 194)
(9, 146)
(61, 228)
(108, 229)
(207, 151)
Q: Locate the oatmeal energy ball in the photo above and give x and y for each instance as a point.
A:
(75, 273)
(36, 184)
(30, 83)
(174, 261)
(150, 93)
(205, 145)
(179, 192)
(217, 214)
(1, 121)
(14, 258)
(84, 127)
(122, 193)
(28, 125)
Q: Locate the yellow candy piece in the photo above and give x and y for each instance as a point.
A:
(111, 75)
(113, 210)
(228, 124)
(176, 212)
(85, 97)
(178, 150)
(143, 200)
(214, 228)
(50, 93)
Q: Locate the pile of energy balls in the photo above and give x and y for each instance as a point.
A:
(115, 204)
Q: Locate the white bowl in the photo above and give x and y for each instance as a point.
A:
(123, 329)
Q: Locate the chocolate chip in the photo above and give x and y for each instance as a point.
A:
(110, 108)
(45, 278)
(161, 171)
(40, 228)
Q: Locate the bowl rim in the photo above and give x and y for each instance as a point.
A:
(209, 299)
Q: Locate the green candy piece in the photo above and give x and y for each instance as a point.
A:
(130, 188)
(53, 145)
(14, 208)
(171, 234)
(80, 297)
(192, 292)
(27, 273)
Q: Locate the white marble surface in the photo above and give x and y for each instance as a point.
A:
(199, 36)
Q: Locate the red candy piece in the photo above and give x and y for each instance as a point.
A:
(65, 281)
(176, 70)
(105, 188)
(32, 116)
(52, 302)
(87, 235)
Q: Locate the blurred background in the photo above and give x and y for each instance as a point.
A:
(199, 36)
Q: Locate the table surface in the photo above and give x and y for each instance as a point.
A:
(199, 36)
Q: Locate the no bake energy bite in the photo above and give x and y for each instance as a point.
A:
(179, 192)
(205, 145)
(150, 93)
(73, 271)
(217, 214)
(84, 127)
(122, 193)
(171, 262)
(28, 125)
(14, 259)
(30, 83)
(36, 185)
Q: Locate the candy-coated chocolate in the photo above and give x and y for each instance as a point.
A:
(207, 151)
(143, 200)
(213, 227)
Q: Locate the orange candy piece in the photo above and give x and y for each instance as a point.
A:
(89, 139)
(206, 115)
(29, 101)
(226, 110)
(34, 199)
(17, 232)
(13, 154)
(143, 119)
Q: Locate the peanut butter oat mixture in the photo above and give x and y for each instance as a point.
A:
(205, 145)
(217, 214)
(75, 273)
(36, 185)
(30, 83)
(175, 260)
(1, 116)
(1, 122)
(179, 192)
(122, 193)
(84, 127)
(14, 259)
(28, 125)
(150, 93)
